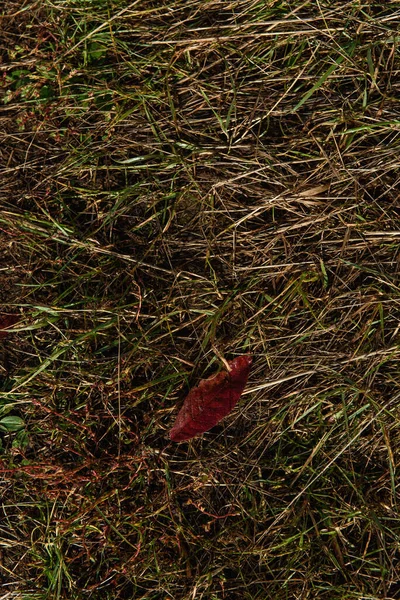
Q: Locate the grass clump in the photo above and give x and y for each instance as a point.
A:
(183, 182)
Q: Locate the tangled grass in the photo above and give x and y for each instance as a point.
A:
(184, 182)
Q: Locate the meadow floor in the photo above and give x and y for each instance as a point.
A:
(183, 182)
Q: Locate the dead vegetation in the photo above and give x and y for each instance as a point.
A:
(182, 181)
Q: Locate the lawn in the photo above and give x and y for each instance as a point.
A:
(183, 182)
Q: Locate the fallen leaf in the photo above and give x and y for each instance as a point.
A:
(211, 400)
(7, 321)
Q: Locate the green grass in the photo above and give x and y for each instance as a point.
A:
(181, 183)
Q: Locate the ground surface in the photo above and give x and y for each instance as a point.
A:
(181, 183)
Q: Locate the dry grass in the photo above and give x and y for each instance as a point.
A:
(183, 181)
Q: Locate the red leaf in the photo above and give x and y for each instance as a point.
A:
(7, 321)
(211, 400)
